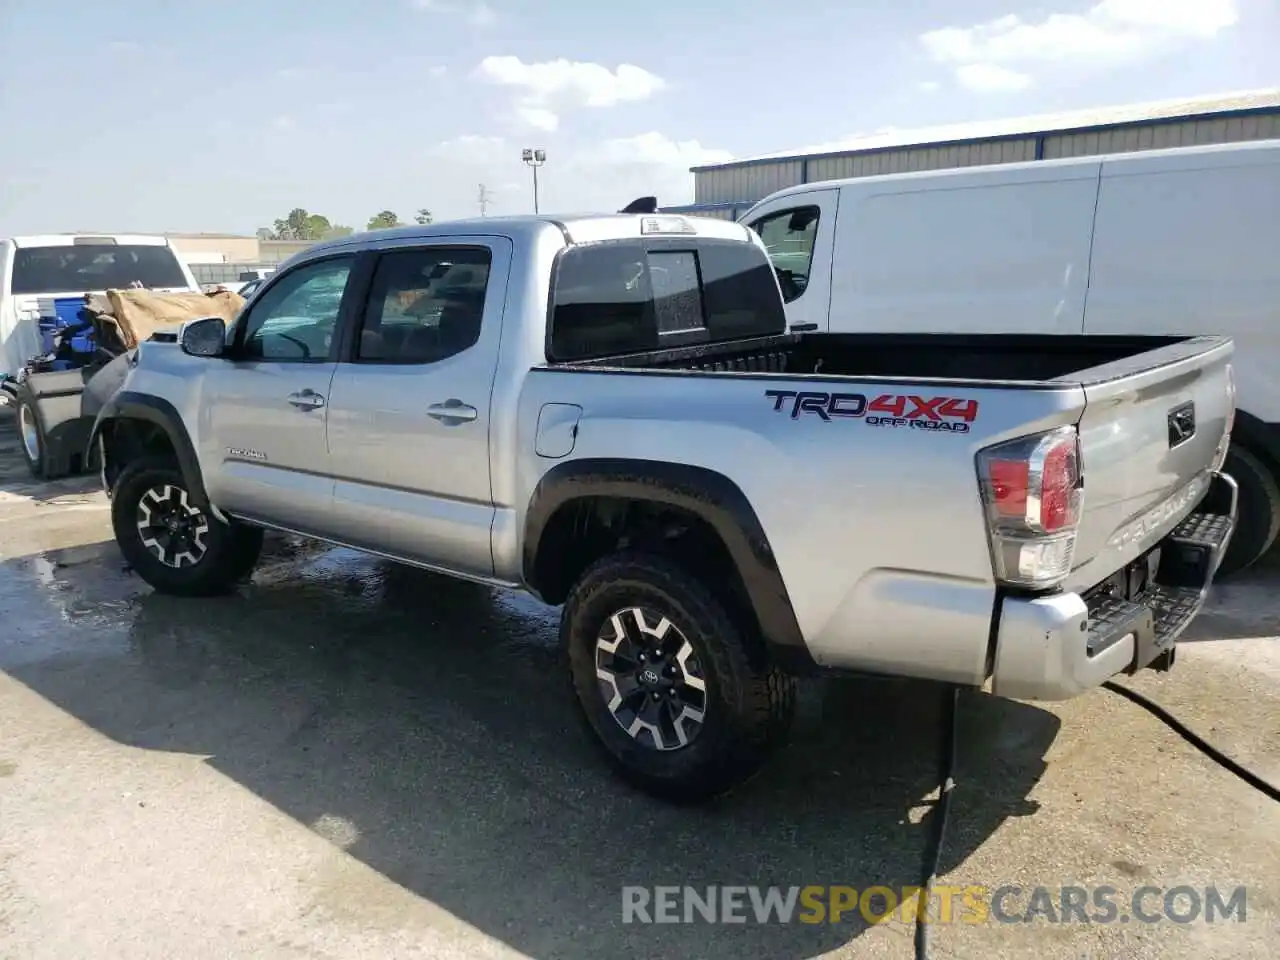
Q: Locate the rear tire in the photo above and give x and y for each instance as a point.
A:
(660, 732)
(175, 546)
(1258, 502)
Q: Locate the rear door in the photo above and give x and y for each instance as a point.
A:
(409, 414)
(267, 405)
(798, 232)
(1154, 426)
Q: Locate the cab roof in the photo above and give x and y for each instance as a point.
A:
(575, 228)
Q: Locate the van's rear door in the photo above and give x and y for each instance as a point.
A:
(1154, 427)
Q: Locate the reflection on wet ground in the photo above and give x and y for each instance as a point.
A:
(426, 726)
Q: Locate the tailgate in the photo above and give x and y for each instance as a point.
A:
(1154, 427)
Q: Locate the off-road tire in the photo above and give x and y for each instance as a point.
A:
(1258, 506)
(749, 704)
(230, 550)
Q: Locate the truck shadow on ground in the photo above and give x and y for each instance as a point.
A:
(16, 478)
(426, 727)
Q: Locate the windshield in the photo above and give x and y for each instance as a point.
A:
(84, 268)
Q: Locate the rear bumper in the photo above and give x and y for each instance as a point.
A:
(1056, 647)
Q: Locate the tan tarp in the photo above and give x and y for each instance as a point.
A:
(138, 314)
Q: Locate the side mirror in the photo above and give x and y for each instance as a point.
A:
(205, 337)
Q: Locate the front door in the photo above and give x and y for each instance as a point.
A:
(409, 414)
(268, 404)
(798, 231)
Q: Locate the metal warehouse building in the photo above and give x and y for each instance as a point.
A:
(726, 190)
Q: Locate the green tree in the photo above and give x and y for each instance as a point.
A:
(384, 220)
(301, 225)
(266, 233)
(423, 217)
(337, 230)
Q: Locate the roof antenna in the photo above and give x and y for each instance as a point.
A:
(641, 205)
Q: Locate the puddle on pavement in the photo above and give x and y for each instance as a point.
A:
(83, 600)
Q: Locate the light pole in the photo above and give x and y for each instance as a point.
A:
(535, 159)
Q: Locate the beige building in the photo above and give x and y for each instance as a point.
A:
(234, 248)
(726, 190)
(227, 257)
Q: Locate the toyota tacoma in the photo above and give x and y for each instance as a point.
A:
(608, 411)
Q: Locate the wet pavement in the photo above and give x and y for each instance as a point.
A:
(351, 759)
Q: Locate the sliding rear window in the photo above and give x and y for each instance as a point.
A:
(626, 296)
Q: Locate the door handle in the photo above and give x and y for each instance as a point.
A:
(306, 400)
(452, 411)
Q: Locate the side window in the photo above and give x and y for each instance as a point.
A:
(425, 305)
(789, 236)
(295, 320)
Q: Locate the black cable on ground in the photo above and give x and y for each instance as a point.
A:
(933, 849)
(1208, 749)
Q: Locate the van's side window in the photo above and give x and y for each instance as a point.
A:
(789, 236)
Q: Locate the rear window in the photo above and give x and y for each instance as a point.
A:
(625, 296)
(89, 267)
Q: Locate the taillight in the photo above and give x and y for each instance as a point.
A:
(1032, 492)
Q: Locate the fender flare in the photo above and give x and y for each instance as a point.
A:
(130, 405)
(709, 495)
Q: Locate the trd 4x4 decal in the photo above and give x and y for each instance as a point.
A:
(944, 414)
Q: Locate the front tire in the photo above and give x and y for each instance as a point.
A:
(171, 543)
(663, 678)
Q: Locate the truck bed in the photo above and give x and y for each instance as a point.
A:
(993, 359)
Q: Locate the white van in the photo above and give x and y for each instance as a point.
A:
(1182, 241)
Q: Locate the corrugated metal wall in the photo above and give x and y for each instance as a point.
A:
(754, 181)
(922, 158)
(1158, 136)
(729, 213)
(745, 183)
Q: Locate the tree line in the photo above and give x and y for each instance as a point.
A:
(302, 224)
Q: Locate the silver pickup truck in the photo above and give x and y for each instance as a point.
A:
(607, 412)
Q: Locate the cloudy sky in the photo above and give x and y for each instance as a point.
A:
(154, 115)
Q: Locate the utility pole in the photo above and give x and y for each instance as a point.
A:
(484, 200)
(534, 159)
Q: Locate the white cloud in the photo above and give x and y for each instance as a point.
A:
(929, 86)
(439, 70)
(991, 78)
(284, 123)
(600, 176)
(654, 149)
(985, 56)
(543, 90)
(469, 148)
(476, 12)
(539, 118)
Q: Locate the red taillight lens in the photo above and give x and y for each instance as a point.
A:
(1059, 486)
(1009, 480)
(1032, 492)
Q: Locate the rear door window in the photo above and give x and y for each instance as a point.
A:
(626, 296)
